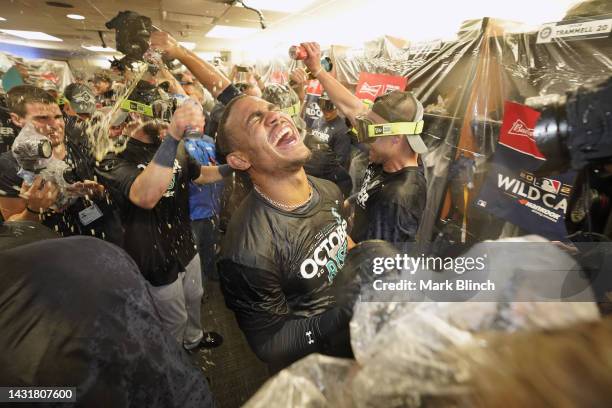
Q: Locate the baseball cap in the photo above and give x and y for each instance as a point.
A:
(402, 106)
(81, 98)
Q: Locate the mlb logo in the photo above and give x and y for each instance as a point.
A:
(481, 203)
(548, 185)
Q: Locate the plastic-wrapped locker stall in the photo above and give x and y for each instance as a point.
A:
(459, 82)
(503, 62)
(464, 85)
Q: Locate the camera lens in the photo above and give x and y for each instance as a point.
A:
(44, 149)
(551, 134)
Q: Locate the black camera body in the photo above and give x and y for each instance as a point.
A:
(132, 33)
(575, 132)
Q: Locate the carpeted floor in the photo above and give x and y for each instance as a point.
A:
(233, 371)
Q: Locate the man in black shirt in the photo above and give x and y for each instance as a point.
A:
(149, 181)
(92, 213)
(331, 131)
(284, 249)
(392, 197)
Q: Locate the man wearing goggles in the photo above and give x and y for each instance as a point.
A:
(393, 193)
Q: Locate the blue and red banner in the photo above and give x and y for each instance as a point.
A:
(511, 190)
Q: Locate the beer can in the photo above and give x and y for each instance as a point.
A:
(297, 52)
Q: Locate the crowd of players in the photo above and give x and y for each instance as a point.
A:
(241, 183)
(202, 177)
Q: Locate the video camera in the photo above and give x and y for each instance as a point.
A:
(132, 37)
(132, 34)
(575, 132)
(33, 152)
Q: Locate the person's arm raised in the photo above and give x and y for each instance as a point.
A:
(346, 102)
(150, 185)
(210, 77)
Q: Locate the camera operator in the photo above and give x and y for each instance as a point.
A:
(392, 197)
(150, 182)
(92, 213)
(285, 303)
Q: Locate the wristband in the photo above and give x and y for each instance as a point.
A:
(32, 211)
(225, 170)
(316, 74)
(166, 153)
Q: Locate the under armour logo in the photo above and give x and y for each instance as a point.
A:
(309, 335)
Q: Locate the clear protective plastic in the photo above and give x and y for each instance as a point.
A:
(407, 353)
(463, 85)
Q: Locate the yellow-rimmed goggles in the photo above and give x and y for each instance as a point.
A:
(293, 110)
(368, 131)
(137, 107)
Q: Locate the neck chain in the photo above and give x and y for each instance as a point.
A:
(281, 205)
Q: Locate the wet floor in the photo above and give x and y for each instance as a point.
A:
(233, 371)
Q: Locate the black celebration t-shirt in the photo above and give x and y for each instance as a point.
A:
(390, 205)
(276, 264)
(158, 239)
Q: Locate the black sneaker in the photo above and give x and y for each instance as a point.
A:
(209, 341)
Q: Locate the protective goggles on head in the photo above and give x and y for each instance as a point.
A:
(160, 109)
(293, 110)
(137, 107)
(368, 131)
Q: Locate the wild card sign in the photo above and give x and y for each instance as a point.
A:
(512, 192)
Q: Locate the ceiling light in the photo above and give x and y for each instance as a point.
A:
(75, 16)
(2, 19)
(32, 35)
(97, 48)
(230, 32)
(187, 44)
(281, 6)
